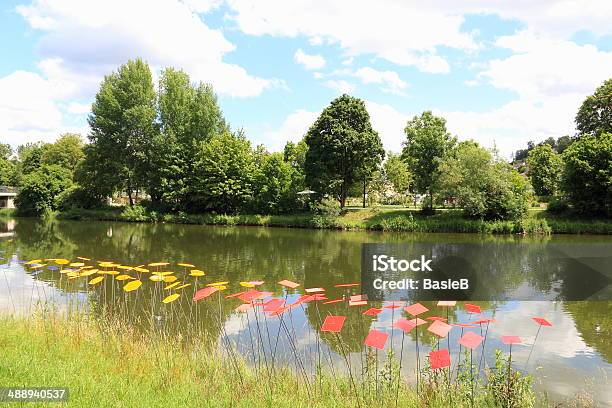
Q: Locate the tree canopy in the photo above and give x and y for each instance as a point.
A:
(545, 167)
(342, 148)
(595, 113)
(427, 144)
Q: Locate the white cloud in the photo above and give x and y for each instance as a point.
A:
(401, 32)
(29, 109)
(92, 38)
(389, 123)
(542, 67)
(309, 61)
(293, 129)
(389, 79)
(80, 42)
(551, 78)
(340, 85)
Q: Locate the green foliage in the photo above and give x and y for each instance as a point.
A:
(30, 157)
(67, 152)
(135, 213)
(507, 387)
(226, 174)
(397, 173)
(40, 188)
(545, 167)
(275, 185)
(326, 212)
(427, 144)
(7, 172)
(482, 188)
(123, 130)
(342, 148)
(189, 115)
(595, 113)
(587, 174)
(78, 197)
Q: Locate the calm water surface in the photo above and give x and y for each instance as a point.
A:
(573, 356)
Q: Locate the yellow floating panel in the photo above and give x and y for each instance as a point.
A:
(38, 266)
(124, 267)
(62, 261)
(171, 298)
(82, 258)
(139, 269)
(197, 272)
(218, 284)
(169, 278)
(247, 284)
(133, 285)
(186, 265)
(156, 278)
(172, 285)
(159, 264)
(73, 274)
(182, 286)
(124, 277)
(77, 264)
(89, 272)
(96, 280)
(33, 261)
(162, 273)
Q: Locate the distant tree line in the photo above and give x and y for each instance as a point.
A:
(168, 146)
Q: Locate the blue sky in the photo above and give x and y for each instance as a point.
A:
(501, 74)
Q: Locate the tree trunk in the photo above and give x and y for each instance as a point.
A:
(342, 197)
(364, 193)
(430, 201)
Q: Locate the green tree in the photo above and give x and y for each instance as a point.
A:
(587, 174)
(30, 157)
(189, 115)
(545, 167)
(67, 152)
(482, 187)
(7, 168)
(396, 171)
(123, 128)
(342, 148)
(40, 188)
(595, 113)
(275, 191)
(427, 144)
(226, 174)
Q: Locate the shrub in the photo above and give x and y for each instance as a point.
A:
(136, 213)
(78, 197)
(40, 189)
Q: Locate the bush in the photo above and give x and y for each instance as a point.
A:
(558, 205)
(40, 189)
(587, 174)
(78, 197)
(136, 213)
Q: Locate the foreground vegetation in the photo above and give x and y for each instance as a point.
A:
(111, 365)
(378, 219)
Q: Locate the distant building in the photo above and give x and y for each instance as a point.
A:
(7, 197)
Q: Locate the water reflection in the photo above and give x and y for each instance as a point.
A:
(577, 347)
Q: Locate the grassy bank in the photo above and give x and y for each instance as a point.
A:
(110, 365)
(381, 219)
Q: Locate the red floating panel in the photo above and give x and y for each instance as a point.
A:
(439, 328)
(372, 311)
(288, 284)
(376, 339)
(204, 293)
(511, 340)
(439, 359)
(472, 308)
(541, 321)
(470, 340)
(333, 324)
(416, 309)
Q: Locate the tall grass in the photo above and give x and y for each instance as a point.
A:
(112, 365)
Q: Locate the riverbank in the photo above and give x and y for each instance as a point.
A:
(379, 219)
(112, 365)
